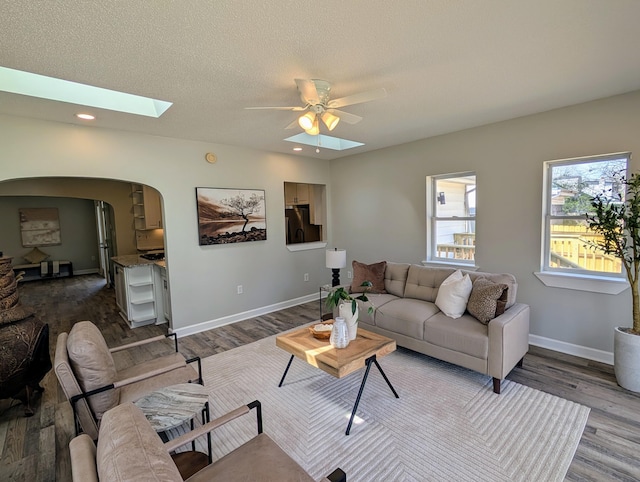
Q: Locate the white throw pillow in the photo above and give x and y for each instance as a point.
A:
(453, 294)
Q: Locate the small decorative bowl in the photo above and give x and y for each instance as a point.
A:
(321, 335)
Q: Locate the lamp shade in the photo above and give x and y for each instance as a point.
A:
(330, 120)
(315, 128)
(306, 120)
(336, 258)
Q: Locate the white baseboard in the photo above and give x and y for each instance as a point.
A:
(571, 349)
(85, 271)
(226, 320)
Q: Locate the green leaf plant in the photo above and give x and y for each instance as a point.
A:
(617, 220)
(338, 294)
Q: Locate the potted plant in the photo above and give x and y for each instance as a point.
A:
(617, 220)
(340, 297)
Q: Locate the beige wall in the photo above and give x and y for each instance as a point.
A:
(203, 279)
(116, 193)
(385, 193)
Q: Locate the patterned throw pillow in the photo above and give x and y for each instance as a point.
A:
(487, 299)
(368, 272)
(35, 256)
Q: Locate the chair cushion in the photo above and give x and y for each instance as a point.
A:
(92, 365)
(129, 449)
(258, 459)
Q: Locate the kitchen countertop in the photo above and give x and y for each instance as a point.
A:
(131, 260)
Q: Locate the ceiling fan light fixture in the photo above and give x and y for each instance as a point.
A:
(330, 120)
(315, 128)
(307, 120)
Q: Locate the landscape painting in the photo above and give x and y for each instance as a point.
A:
(39, 227)
(230, 215)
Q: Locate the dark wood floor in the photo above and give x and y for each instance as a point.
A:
(36, 448)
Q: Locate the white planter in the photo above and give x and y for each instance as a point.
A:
(626, 359)
(344, 309)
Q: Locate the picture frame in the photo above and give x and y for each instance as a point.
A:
(227, 216)
(39, 227)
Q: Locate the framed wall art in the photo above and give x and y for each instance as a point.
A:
(230, 215)
(39, 227)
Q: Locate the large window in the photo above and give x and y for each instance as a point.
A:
(569, 244)
(451, 213)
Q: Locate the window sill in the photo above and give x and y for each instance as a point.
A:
(594, 284)
(307, 246)
(449, 264)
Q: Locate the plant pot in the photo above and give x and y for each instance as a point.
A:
(344, 309)
(626, 359)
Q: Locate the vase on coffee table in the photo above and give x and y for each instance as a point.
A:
(345, 309)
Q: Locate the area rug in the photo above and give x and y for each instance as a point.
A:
(447, 424)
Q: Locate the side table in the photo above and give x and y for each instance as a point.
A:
(172, 406)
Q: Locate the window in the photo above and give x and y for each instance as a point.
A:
(569, 186)
(451, 213)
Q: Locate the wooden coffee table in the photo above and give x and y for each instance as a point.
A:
(361, 353)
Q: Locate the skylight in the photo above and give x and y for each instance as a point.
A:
(321, 141)
(35, 85)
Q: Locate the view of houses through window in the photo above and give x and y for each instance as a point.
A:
(451, 208)
(569, 186)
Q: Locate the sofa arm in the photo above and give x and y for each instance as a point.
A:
(508, 340)
(83, 459)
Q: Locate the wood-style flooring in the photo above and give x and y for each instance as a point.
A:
(36, 448)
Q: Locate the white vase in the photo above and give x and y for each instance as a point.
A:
(626, 359)
(344, 309)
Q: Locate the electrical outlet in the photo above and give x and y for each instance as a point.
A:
(349, 275)
(240, 290)
(306, 276)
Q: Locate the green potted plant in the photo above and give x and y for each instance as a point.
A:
(616, 218)
(340, 297)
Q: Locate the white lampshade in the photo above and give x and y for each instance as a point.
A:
(336, 258)
(330, 120)
(306, 120)
(315, 128)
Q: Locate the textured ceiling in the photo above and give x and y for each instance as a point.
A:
(447, 65)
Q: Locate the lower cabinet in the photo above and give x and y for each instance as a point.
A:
(135, 294)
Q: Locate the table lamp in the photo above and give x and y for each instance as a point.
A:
(336, 259)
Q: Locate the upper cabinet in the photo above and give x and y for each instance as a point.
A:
(296, 193)
(147, 209)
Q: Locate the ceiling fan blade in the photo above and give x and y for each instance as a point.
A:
(308, 91)
(345, 116)
(296, 108)
(292, 125)
(357, 98)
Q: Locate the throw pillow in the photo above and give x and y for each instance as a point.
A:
(368, 272)
(487, 300)
(35, 256)
(453, 294)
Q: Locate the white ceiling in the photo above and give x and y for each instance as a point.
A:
(447, 65)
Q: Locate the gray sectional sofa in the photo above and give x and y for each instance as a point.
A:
(407, 312)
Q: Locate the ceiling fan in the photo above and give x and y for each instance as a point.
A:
(315, 95)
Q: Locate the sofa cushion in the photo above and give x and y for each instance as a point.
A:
(92, 365)
(405, 316)
(464, 334)
(395, 278)
(487, 299)
(423, 282)
(453, 294)
(129, 448)
(376, 300)
(374, 273)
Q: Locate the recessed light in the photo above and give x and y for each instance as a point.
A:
(297, 148)
(85, 116)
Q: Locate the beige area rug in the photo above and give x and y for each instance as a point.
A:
(447, 424)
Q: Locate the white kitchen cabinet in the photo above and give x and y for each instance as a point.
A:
(163, 300)
(147, 209)
(135, 294)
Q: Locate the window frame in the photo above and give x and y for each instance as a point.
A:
(433, 219)
(562, 277)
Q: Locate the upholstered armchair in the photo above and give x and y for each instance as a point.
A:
(87, 373)
(130, 450)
